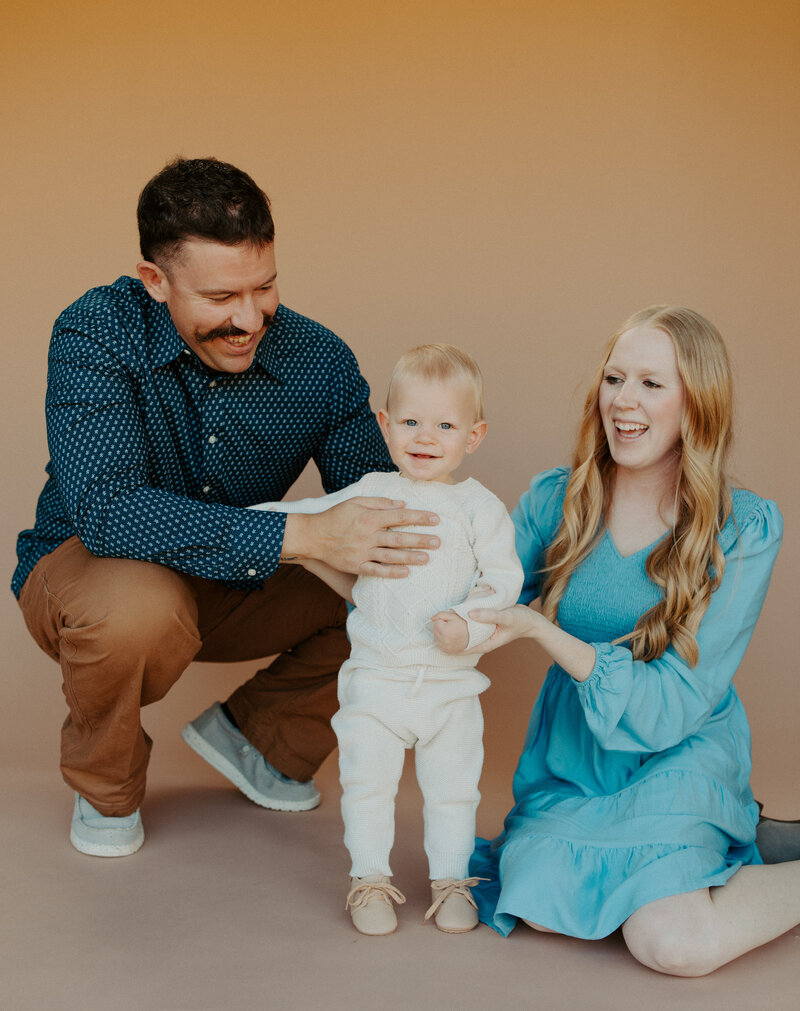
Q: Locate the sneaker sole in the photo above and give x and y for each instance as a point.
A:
(456, 930)
(376, 933)
(106, 849)
(231, 773)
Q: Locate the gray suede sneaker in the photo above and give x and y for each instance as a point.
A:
(98, 836)
(215, 739)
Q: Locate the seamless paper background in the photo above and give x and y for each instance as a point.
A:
(513, 177)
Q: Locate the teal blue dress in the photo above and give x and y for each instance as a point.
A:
(634, 784)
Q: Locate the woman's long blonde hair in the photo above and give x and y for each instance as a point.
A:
(689, 563)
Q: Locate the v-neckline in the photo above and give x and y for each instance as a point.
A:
(633, 554)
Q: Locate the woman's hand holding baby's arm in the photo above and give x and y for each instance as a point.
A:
(450, 631)
(577, 658)
(511, 623)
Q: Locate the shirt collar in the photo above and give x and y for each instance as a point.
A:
(166, 344)
(269, 352)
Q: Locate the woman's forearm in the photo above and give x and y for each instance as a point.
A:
(573, 655)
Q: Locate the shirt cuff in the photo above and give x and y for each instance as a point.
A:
(255, 543)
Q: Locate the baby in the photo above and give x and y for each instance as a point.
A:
(399, 689)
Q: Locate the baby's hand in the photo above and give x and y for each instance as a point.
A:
(450, 631)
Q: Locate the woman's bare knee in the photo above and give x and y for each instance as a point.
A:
(674, 936)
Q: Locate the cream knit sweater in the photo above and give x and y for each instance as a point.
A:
(391, 624)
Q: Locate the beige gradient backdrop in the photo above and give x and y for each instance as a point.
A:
(513, 177)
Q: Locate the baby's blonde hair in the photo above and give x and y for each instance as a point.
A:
(444, 362)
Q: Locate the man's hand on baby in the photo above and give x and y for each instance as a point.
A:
(359, 536)
(450, 632)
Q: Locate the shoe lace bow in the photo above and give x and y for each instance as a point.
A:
(461, 887)
(362, 893)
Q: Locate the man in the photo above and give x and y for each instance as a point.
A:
(174, 401)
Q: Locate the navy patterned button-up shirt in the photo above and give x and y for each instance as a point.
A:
(153, 455)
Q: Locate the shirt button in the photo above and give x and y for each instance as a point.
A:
(251, 572)
(212, 439)
(212, 384)
(206, 489)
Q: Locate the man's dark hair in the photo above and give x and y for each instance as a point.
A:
(201, 198)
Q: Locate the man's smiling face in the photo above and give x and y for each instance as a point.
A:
(221, 298)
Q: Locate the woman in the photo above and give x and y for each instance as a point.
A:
(647, 574)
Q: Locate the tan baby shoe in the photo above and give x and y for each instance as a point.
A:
(370, 903)
(453, 909)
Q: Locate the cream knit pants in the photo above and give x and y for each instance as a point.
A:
(384, 712)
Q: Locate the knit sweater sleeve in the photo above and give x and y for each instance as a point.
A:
(322, 502)
(498, 565)
(634, 705)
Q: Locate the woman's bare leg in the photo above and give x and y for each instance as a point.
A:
(695, 933)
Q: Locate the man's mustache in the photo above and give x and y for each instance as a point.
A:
(227, 331)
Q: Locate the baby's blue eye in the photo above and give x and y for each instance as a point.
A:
(445, 424)
(410, 422)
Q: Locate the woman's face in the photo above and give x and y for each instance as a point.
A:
(641, 402)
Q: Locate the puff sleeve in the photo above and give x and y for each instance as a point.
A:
(536, 518)
(633, 705)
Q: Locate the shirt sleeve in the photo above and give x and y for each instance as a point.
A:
(633, 705)
(498, 565)
(536, 518)
(353, 444)
(98, 446)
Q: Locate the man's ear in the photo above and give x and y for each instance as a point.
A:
(476, 436)
(383, 421)
(154, 279)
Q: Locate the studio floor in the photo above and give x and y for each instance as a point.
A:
(228, 906)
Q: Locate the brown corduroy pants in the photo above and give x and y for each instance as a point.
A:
(124, 631)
